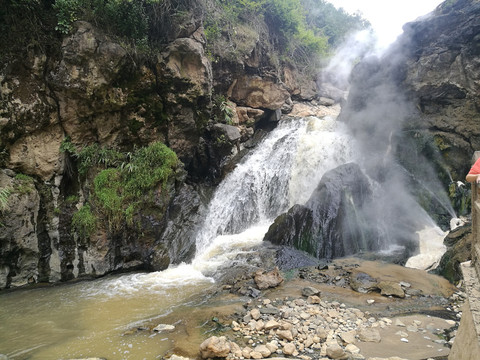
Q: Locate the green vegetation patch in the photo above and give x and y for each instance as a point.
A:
(301, 32)
(126, 180)
(84, 222)
(24, 184)
(4, 195)
(119, 191)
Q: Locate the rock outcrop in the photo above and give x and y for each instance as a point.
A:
(419, 102)
(94, 94)
(333, 221)
(65, 108)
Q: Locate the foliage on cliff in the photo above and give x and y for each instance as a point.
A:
(298, 30)
(123, 182)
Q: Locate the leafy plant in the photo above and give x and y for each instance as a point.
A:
(227, 111)
(68, 147)
(222, 109)
(119, 190)
(84, 222)
(92, 155)
(67, 12)
(4, 195)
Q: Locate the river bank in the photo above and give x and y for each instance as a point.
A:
(315, 314)
(118, 317)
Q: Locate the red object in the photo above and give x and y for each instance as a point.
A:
(475, 170)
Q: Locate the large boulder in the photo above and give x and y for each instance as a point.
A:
(257, 92)
(265, 280)
(215, 347)
(334, 221)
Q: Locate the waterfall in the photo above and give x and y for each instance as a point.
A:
(281, 171)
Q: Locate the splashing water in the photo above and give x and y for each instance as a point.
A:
(283, 171)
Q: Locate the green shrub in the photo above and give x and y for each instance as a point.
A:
(24, 185)
(67, 12)
(152, 165)
(120, 190)
(84, 222)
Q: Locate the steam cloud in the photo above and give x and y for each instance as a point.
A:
(376, 114)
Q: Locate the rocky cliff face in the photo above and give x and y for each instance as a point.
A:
(91, 104)
(443, 78)
(420, 101)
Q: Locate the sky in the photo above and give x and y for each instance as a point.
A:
(388, 16)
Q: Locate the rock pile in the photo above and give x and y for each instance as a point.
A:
(305, 328)
(297, 327)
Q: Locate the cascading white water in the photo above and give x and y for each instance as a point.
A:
(282, 171)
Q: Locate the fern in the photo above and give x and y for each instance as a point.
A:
(4, 196)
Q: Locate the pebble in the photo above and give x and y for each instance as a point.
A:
(164, 327)
(335, 351)
(412, 328)
(289, 349)
(255, 314)
(352, 349)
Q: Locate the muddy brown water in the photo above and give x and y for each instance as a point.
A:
(102, 318)
(95, 319)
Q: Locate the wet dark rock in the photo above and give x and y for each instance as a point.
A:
(178, 238)
(457, 235)
(459, 245)
(293, 228)
(230, 132)
(333, 222)
(289, 258)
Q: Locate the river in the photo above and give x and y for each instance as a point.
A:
(89, 318)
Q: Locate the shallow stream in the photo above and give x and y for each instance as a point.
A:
(96, 318)
(88, 319)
